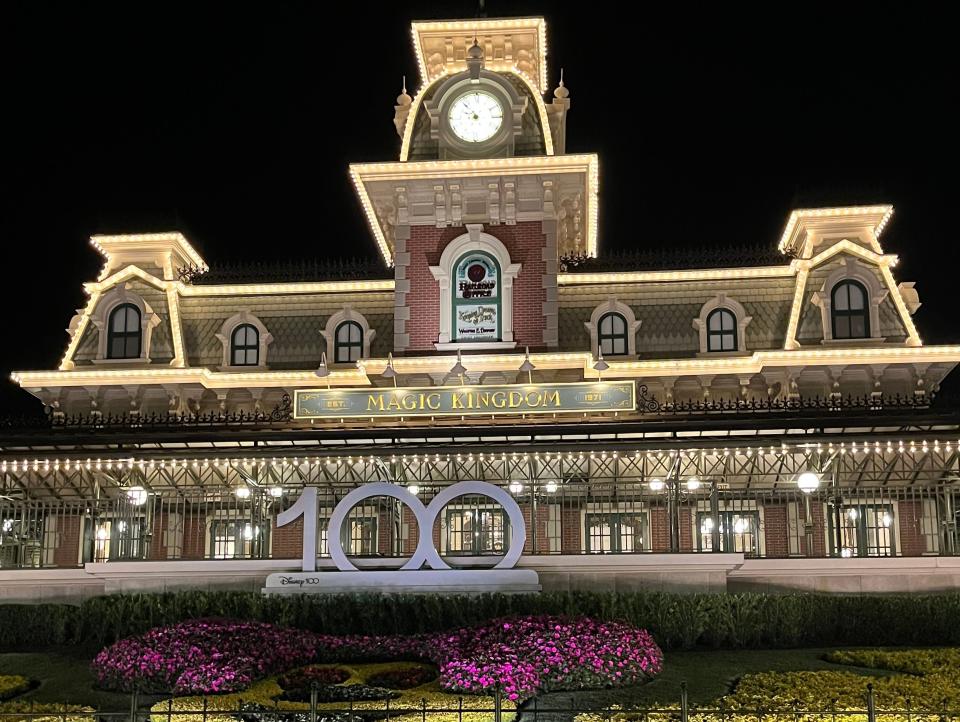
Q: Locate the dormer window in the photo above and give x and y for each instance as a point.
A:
(721, 330)
(246, 342)
(245, 346)
(850, 314)
(348, 343)
(124, 332)
(612, 334)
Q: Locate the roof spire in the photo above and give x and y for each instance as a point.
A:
(404, 99)
(561, 90)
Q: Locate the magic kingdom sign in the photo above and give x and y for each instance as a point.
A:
(583, 397)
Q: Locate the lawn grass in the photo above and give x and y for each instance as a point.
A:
(64, 676)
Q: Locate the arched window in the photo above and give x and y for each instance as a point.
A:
(348, 342)
(476, 298)
(245, 345)
(124, 332)
(850, 316)
(612, 334)
(721, 330)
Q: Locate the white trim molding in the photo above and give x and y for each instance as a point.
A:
(329, 332)
(613, 306)
(100, 318)
(225, 336)
(851, 270)
(721, 300)
(475, 240)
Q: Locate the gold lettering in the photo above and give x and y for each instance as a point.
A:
(499, 399)
(483, 400)
(552, 397)
(533, 399)
(409, 402)
(433, 401)
(393, 404)
(516, 399)
(456, 400)
(375, 402)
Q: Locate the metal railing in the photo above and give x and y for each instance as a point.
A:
(497, 711)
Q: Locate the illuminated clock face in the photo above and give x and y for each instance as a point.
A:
(476, 116)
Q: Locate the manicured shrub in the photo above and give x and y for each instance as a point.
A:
(677, 621)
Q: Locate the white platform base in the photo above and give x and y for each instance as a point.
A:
(453, 581)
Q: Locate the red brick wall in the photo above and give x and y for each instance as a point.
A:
(571, 536)
(659, 529)
(687, 542)
(819, 529)
(158, 529)
(194, 535)
(776, 530)
(525, 243)
(539, 529)
(287, 540)
(911, 542)
(67, 552)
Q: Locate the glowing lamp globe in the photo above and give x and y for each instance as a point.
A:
(808, 482)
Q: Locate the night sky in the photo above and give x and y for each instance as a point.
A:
(235, 123)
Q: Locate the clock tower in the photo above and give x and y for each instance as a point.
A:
(484, 199)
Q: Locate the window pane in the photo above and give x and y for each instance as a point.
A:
(133, 346)
(715, 321)
(606, 347)
(841, 301)
(842, 327)
(857, 327)
(856, 297)
(605, 324)
(619, 346)
(354, 333)
(728, 342)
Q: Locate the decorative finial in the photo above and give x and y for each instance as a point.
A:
(404, 98)
(475, 59)
(561, 91)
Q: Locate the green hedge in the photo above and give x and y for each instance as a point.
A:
(677, 621)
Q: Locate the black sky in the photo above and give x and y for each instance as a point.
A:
(235, 122)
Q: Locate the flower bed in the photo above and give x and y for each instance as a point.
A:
(403, 677)
(532, 654)
(12, 685)
(520, 655)
(315, 673)
(206, 656)
(267, 696)
(928, 684)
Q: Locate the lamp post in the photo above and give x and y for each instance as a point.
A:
(808, 482)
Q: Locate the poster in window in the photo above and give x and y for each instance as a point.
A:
(476, 299)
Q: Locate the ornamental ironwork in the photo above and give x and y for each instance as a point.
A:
(647, 407)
